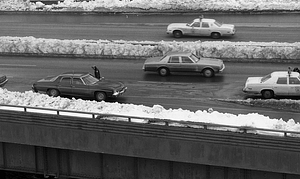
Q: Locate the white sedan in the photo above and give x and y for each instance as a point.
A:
(201, 27)
(278, 83)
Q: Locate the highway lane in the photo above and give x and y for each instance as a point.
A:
(260, 27)
(186, 91)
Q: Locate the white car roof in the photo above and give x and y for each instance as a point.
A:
(204, 20)
(284, 74)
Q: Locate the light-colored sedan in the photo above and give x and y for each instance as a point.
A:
(184, 62)
(278, 83)
(201, 27)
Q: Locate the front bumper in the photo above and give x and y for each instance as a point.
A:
(222, 68)
(118, 93)
(169, 32)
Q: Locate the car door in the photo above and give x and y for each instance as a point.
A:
(65, 86)
(294, 86)
(174, 64)
(281, 87)
(79, 88)
(187, 64)
(203, 29)
(193, 29)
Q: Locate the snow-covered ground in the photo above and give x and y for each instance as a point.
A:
(209, 116)
(272, 51)
(154, 5)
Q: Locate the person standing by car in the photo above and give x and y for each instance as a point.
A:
(96, 71)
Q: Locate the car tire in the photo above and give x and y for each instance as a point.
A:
(215, 35)
(267, 94)
(208, 73)
(53, 92)
(177, 34)
(163, 71)
(100, 96)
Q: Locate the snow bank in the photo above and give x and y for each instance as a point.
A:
(286, 104)
(156, 5)
(32, 99)
(120, 48)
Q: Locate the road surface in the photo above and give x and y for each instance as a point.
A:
(250, 27)
(187, 91)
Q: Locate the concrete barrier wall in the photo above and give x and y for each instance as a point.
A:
(156, 142)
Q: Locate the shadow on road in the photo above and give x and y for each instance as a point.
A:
(183, 78)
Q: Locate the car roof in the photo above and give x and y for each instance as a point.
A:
(204, 20)
(284, 73)
(179, 54)
(75, 74)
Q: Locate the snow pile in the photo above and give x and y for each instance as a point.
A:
(90, 48)
(286, 104)
(32, 99)
(211, 5)
(156, 5)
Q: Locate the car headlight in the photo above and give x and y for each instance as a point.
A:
(116, 93)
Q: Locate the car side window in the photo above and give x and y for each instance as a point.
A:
(174, 59)
(65, 81)
(77, 81)
(281, 81)
(294, 80)
(196, 24)
(186, 60)
(205, 25)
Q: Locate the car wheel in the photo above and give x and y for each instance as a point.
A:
(163, 71)
(267, 94)
(53, 92)
(177, 34)
(215, 35)
(100, 96)
(208, 73)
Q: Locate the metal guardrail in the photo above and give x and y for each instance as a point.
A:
(155, 121)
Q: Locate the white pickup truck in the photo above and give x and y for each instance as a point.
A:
(201, 27)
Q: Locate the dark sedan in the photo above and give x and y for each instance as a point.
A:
(3, 80)
(79, 84)
(184, 62)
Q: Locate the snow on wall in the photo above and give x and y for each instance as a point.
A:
(186, 5)
(254, 120)
(216, 49)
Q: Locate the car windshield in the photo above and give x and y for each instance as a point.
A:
(195, 58)
(50, 78)
(218, 23)
(189, 24)
(265, 78)
(89, 79)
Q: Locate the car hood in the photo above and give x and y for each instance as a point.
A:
(210, 61)
(153, 60)
(253, 80)
(109, 84)
(176, 25)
